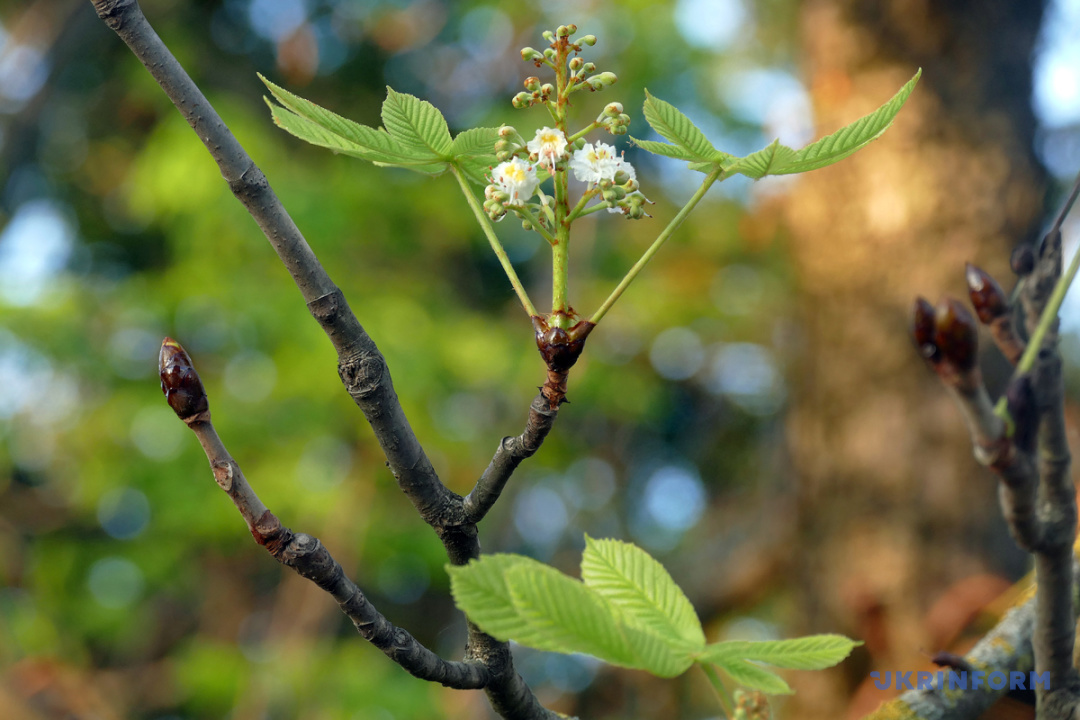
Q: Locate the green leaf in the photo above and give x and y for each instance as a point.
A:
(474, 153)
(565, 616)
(771, 160)
(416, 124)
(321, 127)
(813, 652)
(670, 123)
(754, 677)
(476, 142)
(511, 597)
(779, 159)
(480, 590)
(659, 148)
(853, 137)
(642, 590)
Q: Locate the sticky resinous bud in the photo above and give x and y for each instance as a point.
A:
(956, 335)
(560, 347)
(923, 330)
(181, 384)
(987, 297)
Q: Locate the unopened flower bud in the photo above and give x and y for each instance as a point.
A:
(522, 100)
(589, 68)
(923, 329)
(986, 295)
(563, 31)
(613, 110)
(955, 334)
(181, 384)
(1022, 260)
(532, 84)
(507, 131)
(529, 54)
(608, 78)
(589, 40)
(549, 36)
(576, 63)
(547, 89)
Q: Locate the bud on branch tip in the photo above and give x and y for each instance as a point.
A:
(923, 330)
(955, 334)
(986, 295)
(181, 384)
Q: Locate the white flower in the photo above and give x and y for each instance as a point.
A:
(517, 179)
(549, 146)
(593, 163)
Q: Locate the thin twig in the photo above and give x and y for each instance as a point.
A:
(512, 451)
(1066, 207)
(310, 559)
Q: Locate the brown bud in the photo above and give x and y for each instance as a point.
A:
(986, 295)
(181, 384)
(1022, 260)
(923, 330)
(1020, 399)
(561, 348)
(956, 334)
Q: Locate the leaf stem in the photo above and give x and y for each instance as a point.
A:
(489, 232)
(660, 240)
(726, 703)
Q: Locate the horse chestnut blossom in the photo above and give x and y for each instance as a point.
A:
(548, 147)
(596, 162)
(516, 178)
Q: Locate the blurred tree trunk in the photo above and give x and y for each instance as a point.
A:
(893, 508)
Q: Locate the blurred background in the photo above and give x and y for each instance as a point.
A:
(751, 412)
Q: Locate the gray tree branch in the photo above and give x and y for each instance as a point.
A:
(362, 368)
(511, 453)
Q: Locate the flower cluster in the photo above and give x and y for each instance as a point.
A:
(514, 181)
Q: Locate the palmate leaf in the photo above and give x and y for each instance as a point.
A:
(641, 590)
(416, 136)
(324, 128)
(480, 589)
(513, 597)
(562, 615)
(813, 652)
(690, 144)
(779, 159)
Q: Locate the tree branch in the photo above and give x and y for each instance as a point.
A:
(362, 368)
(512, 451)
(1055, 632)
(1026, 445)
(1006, 648)
(360, 364)
(300, 551)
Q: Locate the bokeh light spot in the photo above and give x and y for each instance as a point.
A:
(115, 582)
